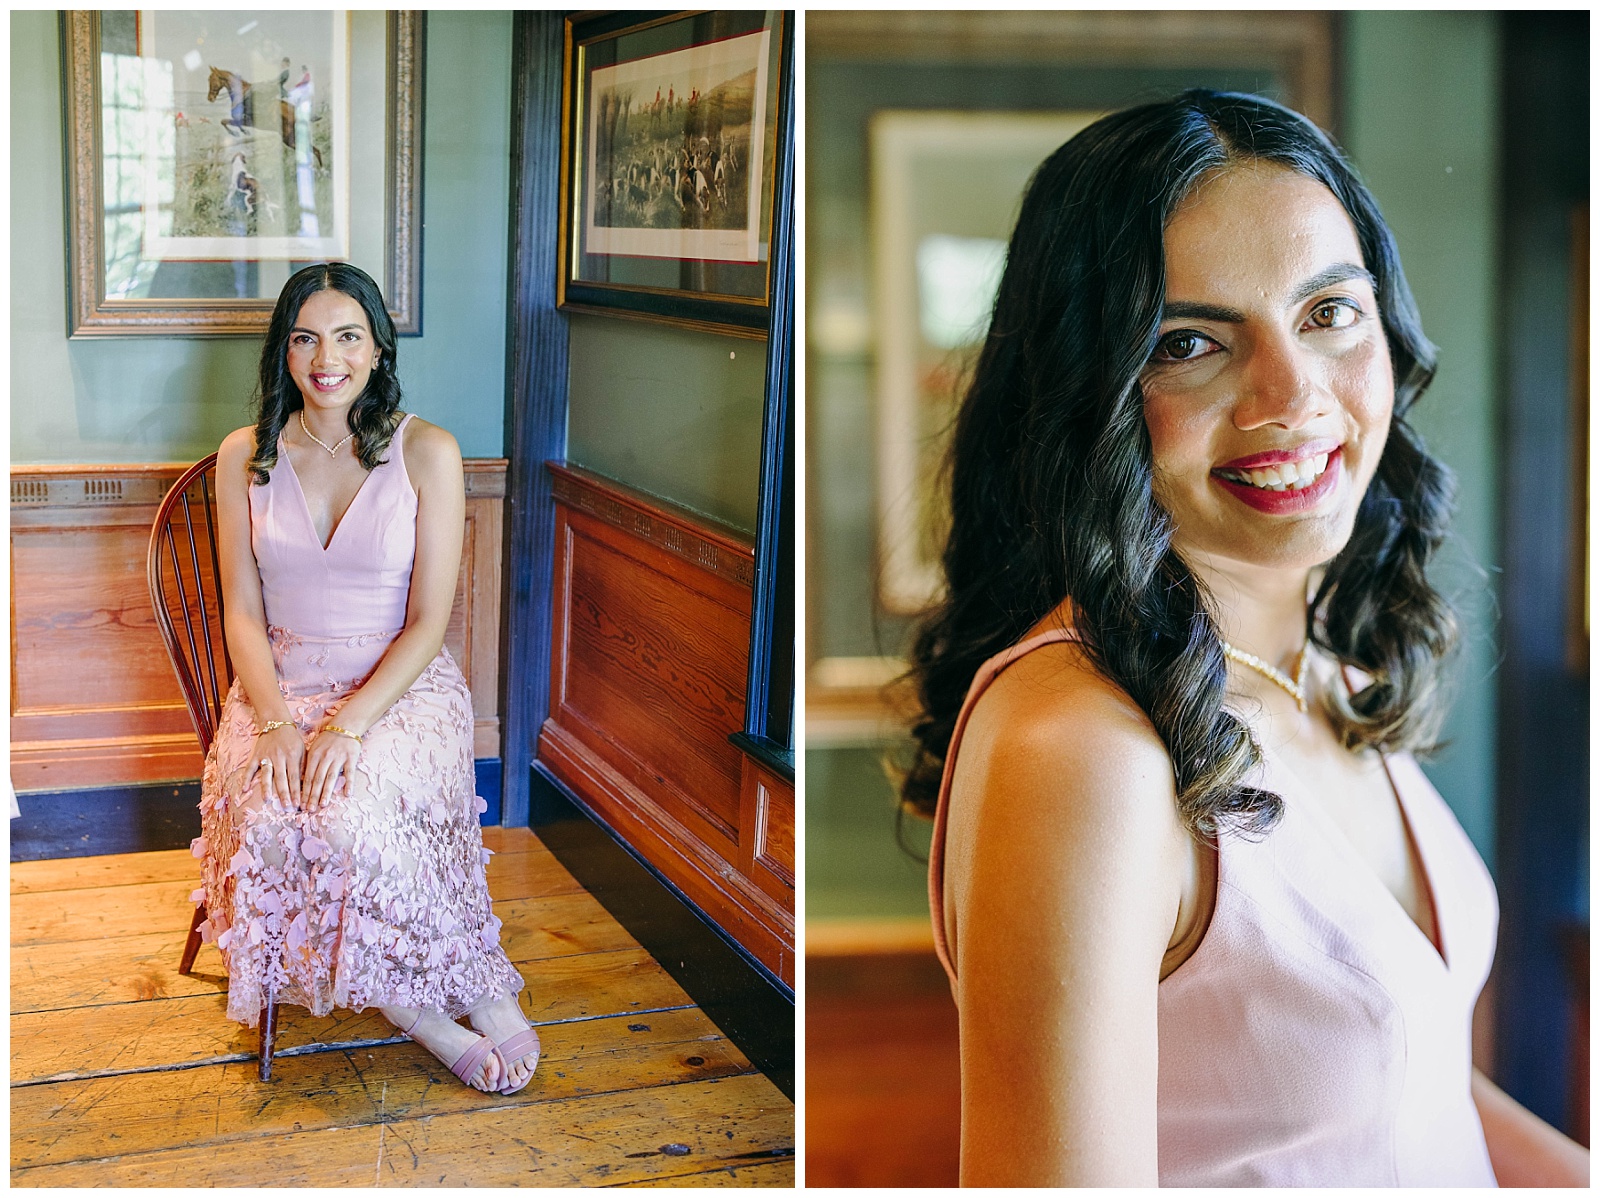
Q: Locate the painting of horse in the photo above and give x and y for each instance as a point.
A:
(245, 113)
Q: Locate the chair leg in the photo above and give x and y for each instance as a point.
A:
(269, 1020)
(193, 945)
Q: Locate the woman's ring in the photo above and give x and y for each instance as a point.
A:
(266, 764)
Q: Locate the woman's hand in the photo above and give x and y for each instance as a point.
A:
(277, 757)
(332, 756)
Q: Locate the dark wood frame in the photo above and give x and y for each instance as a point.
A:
(752, 1006)
(90, 314)
(739, 316)
(770, 698)
(536, 401)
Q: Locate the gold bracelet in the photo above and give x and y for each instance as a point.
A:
(334, 728)
(271, 724)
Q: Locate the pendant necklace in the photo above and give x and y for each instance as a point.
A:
(333, 449)
(1296, 686)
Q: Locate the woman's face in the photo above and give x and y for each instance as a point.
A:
(1269, 394)
(331, 350)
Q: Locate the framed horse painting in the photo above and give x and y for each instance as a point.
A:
(670, 156)
(210, 155)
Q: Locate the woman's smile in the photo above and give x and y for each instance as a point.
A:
(1285, 481)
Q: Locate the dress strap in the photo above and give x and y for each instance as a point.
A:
(987, 673)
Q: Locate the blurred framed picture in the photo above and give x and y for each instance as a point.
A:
(668, 166)
(945, 190)
(210, 154)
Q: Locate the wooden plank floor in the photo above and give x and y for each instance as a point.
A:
(125, 1073)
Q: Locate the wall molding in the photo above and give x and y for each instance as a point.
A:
(693, 537)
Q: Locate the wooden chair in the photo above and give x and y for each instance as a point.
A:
(186, 592)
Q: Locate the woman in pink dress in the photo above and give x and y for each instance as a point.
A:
(342, 857)
(1205, 920)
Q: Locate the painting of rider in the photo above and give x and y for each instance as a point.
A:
(246, 146)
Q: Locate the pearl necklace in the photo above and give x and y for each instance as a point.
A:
(332, 449)
(1296, 686)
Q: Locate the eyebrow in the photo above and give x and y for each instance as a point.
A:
(1340, 272)
(340, 329)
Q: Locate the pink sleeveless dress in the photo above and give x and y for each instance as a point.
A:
(1316, 1037)
(377, 899)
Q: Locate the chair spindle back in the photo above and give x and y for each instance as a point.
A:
(186, 592)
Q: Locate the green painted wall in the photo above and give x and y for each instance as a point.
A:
(674, 412)
(140, 399)
(1421, 120)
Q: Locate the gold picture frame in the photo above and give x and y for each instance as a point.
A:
(226, 285)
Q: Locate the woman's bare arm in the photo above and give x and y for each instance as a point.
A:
(1064, 874)
(244, 616)
(1523, 1148)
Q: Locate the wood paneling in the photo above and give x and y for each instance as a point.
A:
(93, 698)
(649, 656)
(883, 1075)
(767, 810)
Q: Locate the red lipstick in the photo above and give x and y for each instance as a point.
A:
(1286, 502)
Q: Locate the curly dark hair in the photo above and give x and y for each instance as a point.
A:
(376, 412)
(1050, 469)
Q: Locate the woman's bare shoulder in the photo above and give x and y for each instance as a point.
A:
(234, 454)
(237, 447)
(431, 451)
(1059, 765)
(1053, 711)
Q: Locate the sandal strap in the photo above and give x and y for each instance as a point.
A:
(519, 1044)
(469, 1062)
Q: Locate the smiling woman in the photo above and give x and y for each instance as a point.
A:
(1205, 920)
(343, 864)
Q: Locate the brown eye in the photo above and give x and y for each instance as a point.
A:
(1183, 346)
(1335, 314)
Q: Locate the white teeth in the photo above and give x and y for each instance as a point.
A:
(1286, 476)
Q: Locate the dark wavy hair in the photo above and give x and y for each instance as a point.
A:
(376, 412)
(1050, 469)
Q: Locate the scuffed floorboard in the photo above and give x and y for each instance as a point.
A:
(124, 1073)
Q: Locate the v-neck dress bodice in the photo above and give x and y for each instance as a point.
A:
(1315, 1036)
(360, 583)
(378, 897)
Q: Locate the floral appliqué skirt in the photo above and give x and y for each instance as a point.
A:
(376, 899)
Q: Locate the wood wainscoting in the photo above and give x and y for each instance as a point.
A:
(883, 1059)
(648, 660)
(93, 698)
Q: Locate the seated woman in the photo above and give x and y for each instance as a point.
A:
(343, 861)
(1206, 921)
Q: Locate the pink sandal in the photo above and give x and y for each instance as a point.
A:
(514, 1047)
(468, 1063)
